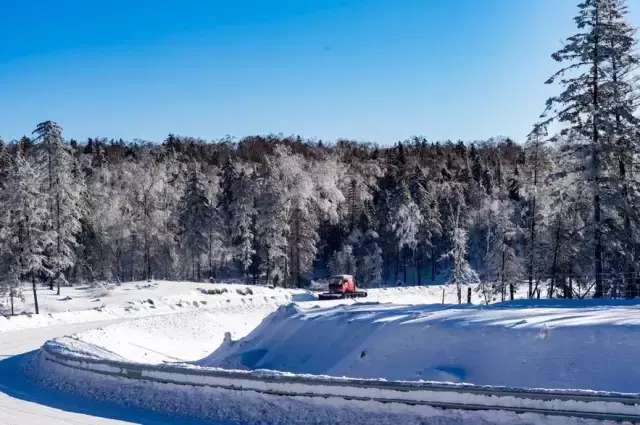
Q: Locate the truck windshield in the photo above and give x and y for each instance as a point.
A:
(336, 280)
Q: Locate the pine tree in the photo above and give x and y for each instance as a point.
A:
(596, 105)
(225, 210)
(366, 259)
(622, 61)
(63, 199)
(430, 227)
(243, 221)
(194, 219)
(273, 228)
(538, 165)
(461, 273)
(405, 221)
(26, 240)
(343, 261)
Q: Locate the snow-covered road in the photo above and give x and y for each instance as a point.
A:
(23, 403)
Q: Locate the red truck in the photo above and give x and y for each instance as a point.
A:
(342, 286)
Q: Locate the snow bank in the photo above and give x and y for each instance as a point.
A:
(175, 337)
(280, 398)
(563, 345)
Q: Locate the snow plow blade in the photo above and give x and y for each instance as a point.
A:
(340, 295)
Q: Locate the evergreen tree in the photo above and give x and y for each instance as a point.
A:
(243, 221)
(587, 102)
(63, 199)
(26, 215)
(194, 218)
(461, 273)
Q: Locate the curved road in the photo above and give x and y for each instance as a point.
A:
(23, 403)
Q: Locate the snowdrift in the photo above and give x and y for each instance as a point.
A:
(562, 345)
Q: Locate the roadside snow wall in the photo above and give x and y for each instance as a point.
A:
(561, 345)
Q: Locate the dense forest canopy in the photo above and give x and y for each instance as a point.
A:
(556, 213)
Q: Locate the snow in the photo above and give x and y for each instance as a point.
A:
(195, 333)
(562, 345)
(176, 337)
(141, 299)
(509, 344)
(320, 400)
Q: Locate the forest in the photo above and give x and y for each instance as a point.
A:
(555, 214)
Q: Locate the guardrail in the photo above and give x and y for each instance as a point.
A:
(580, 404)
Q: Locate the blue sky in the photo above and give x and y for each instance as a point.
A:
(371, 70)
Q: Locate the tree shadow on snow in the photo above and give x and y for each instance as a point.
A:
(18, 385)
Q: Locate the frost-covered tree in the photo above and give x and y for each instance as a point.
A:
(461, 271)
(367, 255)
(343, 261)
(504, 262)
(25, 237)
(143, 209)
(194, 217)
(621, 81)
(430, 223)
(272, 228)
(243, 221)
(405, 221)
(538, 166)
(594, 93)
(225, 213)
(63, 190)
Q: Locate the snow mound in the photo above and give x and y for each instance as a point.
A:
(562, 345)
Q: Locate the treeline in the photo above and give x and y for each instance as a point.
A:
(556, 214)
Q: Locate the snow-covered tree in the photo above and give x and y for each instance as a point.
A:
(273, 227)
(368, 257)
(24, 235)
(194, 217)
(343, 261)
(63, 191)
(243, 227)
(595, 95)
(537, 169)
(621, 82)
(461, 272)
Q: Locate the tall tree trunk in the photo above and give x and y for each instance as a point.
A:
(35, 293)
(599, 288)
(532, 229)
(404, 270)
(433, 264)
(58, 231)
(503, 286)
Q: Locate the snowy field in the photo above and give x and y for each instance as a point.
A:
(393, 334)
(198, 322)
(140, 299)
(541, 344)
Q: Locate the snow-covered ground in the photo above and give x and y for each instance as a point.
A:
(548, 344)
(562, 345)
(141, 299)
(192, 333)
(82, 309)
(534, 344)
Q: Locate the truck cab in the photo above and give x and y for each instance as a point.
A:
(343, 283)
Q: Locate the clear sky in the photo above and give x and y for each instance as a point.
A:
(371, 70)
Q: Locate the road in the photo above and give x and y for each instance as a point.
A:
(23, 403)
